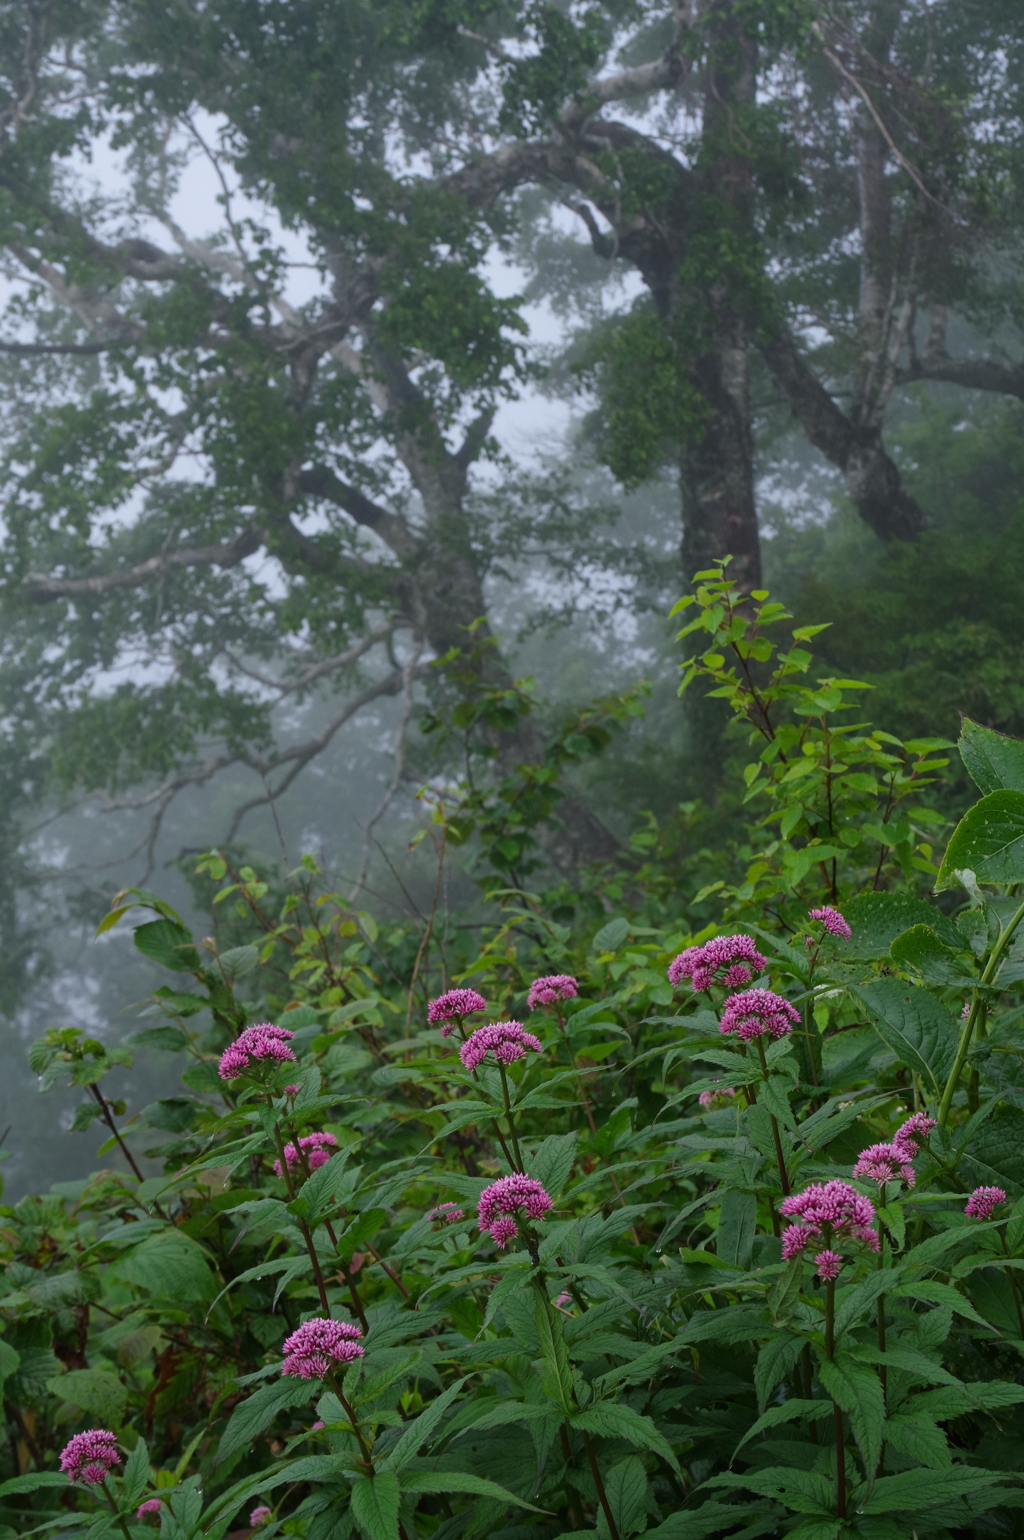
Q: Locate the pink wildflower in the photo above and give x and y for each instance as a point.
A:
(263, 1041)
(883, 1163)
(507, 1202)
(912, 1132)
(554, 987)
(89, 1456)
(832, 921)
(317, 1148)
(451, 1007)
(828, 1264)
(151, 1505)
(260, 1515)
(983, 1201)
(318, 1425)
(565, 1298)
(291, 1090)
(702, 964)
(718, 1096)
(965, 1010)
(312, 1350)
(445, 1214)
(507, 1040)
(827, 1211)
(758, 1013)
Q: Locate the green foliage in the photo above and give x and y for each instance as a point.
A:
(641, 1360)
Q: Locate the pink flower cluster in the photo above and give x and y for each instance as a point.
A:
(556, 986)
(151, 1505)
(832, 921)
(983, 1201)
(758, 1013)
(89, 1456)
(827, 1211)
(508, 1201)
(702, 964)
(317, 1149)
(507, 1040)
(260, 1515)
(263, 1041)
(451, 1007)
(444, 1215)
(829, 1264)
(317, 1345)
(719, 1096)
(890, 1162)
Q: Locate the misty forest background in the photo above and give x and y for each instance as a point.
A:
(340, 337)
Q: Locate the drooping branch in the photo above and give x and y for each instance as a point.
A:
(996, 375)
(321, 481)
(44, 588)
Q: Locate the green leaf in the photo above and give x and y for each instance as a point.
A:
(919, 1439)
(611, 936)
(876, 919)
(96, 1391)
(608, 1419)
(31, 1481)
(169, 944)
(992, 760)
(858, 1391)
(918, 1029)
(920, 949)
(551, 1162)
(736, 1225)
(988, 840)
(775, 1360)
(625, 1487)
(169, 1265)
(459, 1481)
(416, 1433)
(558, 1384)
(995, 1155)
(237, 961)
(376, 1503)
(136, 1475)
(910, 1491)
(251, 1416)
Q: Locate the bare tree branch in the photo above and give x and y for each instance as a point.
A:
(317, 670)
(321, 481)
(44, 588)
(990, 374)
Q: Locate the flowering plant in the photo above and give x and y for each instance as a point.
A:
(706, 1255)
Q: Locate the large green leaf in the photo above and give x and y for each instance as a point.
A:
(375, 1505)
(992, 760)
(169, 944)
(736, 1225)
(995, 1155)
(459, 1481)
(857, 1389)
(625, 1487)
(251, 1416)
(918, 1029)
(96, 1391)
(551, 1162)
(416, 1433)
(876, 919)
(920, 950)
(169, 1265)
(988, 840)
(913, 1490)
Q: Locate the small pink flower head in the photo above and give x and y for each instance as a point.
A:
(758, 1013)
(983, 1202)
(451, 1007)
(716, 1097)
(89, 1456)
(912, 1132)
(565, 1298)
(318, 1425)
(291, 1090)
(828, 1264)
(965, 1010)
(828, 1211)
(549, 990)
(260, 1515)
(255, 1044)
(317, 1345)
(507, 1202)
(883, 1163)
(506, 1040)
(832, 921)
(444, 1215)
(151, 1505)
(735, 958)
(316, 1148)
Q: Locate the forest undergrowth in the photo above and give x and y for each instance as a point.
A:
(542, 1230)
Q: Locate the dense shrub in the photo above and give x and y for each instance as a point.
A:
(685, 1234)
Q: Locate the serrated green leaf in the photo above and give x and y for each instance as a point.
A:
(376, 1504)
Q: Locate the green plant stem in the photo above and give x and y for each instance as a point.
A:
(108, 1494)
(837, 1415)
(780, 1158)
(1013, 1285)
(602, 1495)
(882, 1373)
(977, 1015)
(575, 1514)
(321, 1287)
(364, 1448)
(510, 1119)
